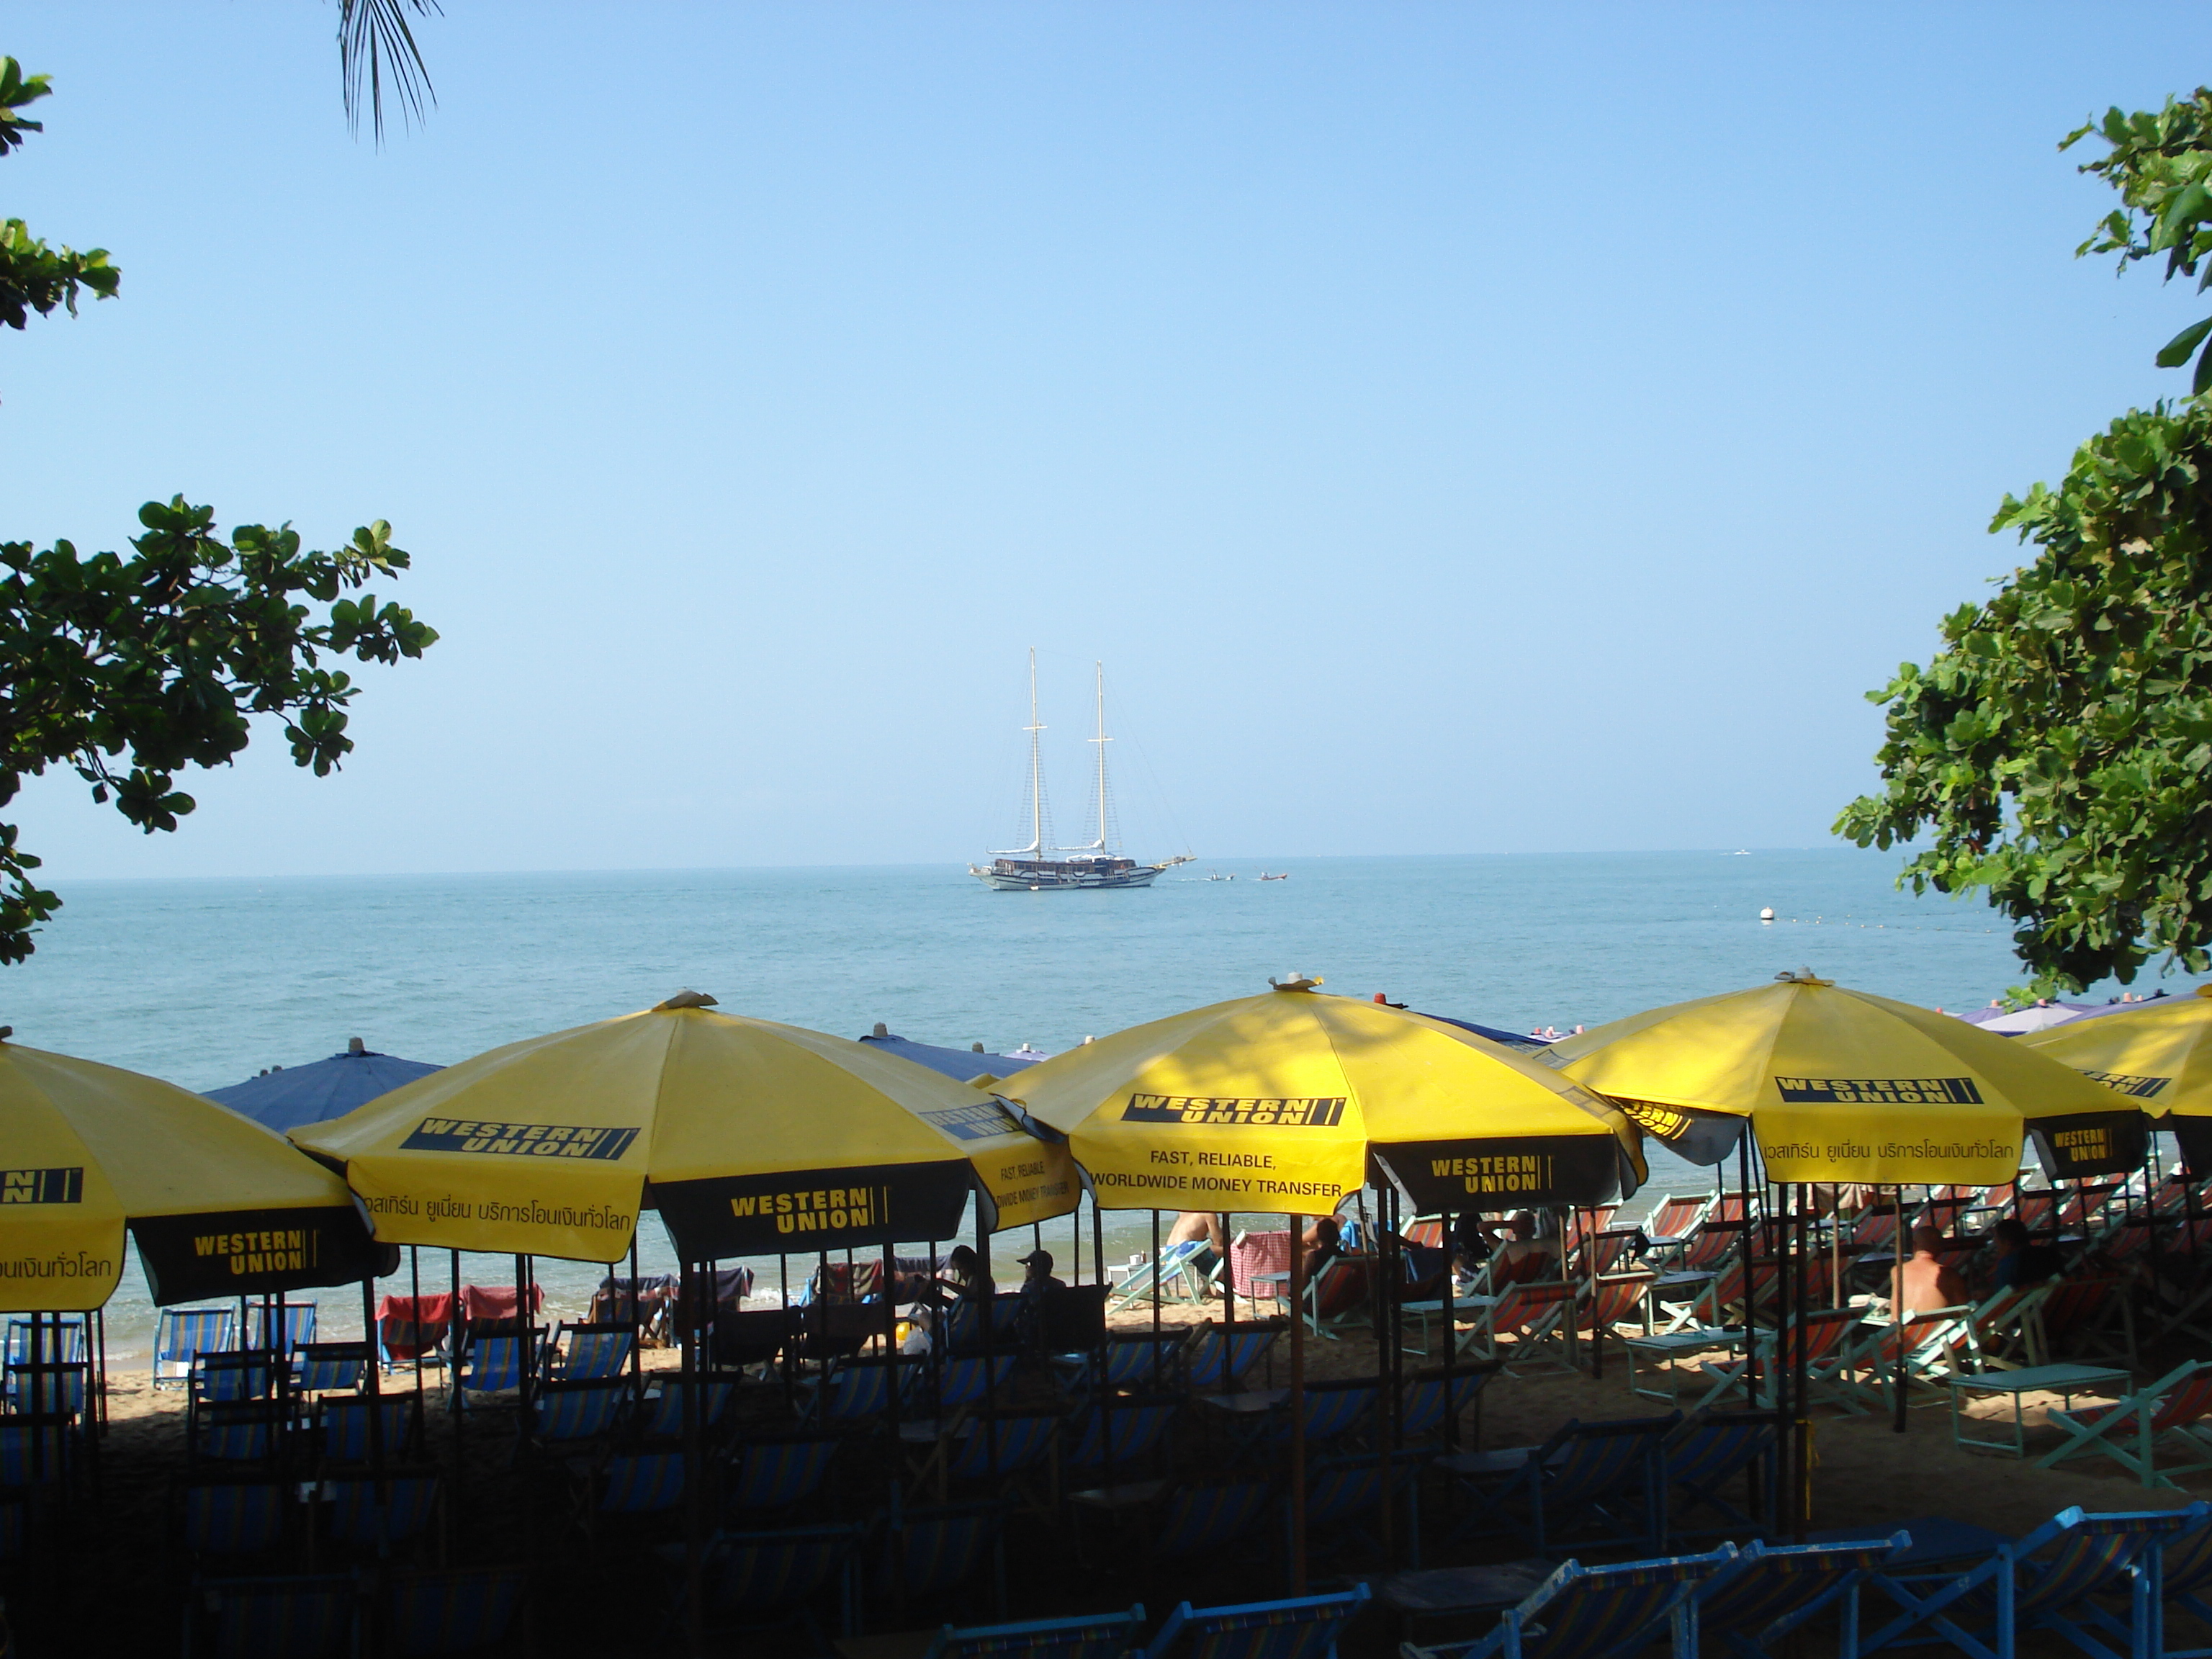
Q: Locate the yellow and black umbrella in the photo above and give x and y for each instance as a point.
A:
(1290, 1100)
(218, 1205)
(1841, 1085)
(750, 1138)
(2158, 1053)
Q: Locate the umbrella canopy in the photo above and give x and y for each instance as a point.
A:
(1842, 1085)
(963, 1065)
(750, 1138)
(288, 1097)
(2159, 1054)
(1280, 1102)
(2041, 1016)
(219, 1205)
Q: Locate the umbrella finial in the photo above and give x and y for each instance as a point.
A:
(881, 1030)
(355, 1046)
(1293, 981)
(684, 999)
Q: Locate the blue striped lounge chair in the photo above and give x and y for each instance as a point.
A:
(1768, 1592)
(965, 1381)
(1207, 1355)
(764, 1580)
(1344, 1495)
(226, 1376)
(372, 1514)
(563, 1412)
(36, 1454)
(299, 1326)
(1591, 1613)
(1708, 1452)
(1332, 1409)
(2184, 1569)
(1198, 1518)
(1423, 1412)
(66, 1343)
(642, 1483)
(772, 1476)
(587, 1353)
(664, 1413)
(918, 1553)
(1304, 1627)
(317, 1616)
(329, 1367)
(850, 1393)
(1176, 1273)
(2060, 1577)
(493, 1364)
(235, 1430)
(49, 1388)
(455, 1610)
(991, 1447)
(1086, 1636)
(345, 1420)
(1138, 1427)
(183, 1334)
(1609, 1475)
(235, 1517)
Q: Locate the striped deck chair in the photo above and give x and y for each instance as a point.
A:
(183, 1334)
(561, 1413)
(1874, 1230)
(1704, 1455)
(223, 1376)
(921, 1552)
(2006, 1335)
(453, 1610)
(1134, 1360)
(1769, 1591)
(2172, 1410)
(1669, 1227)
(1826, 1337)
(1087, 1635)
(1926, 1349)
(299, 1326)
(1697, 1301)
(1139, 1426)
(2036, 1208)
(1202, 1517)
(2185, 1578)
(67, 1346)
(589, 1353)
(854, 1391)
(1304, 1627)
(763, 1580)
(992, 1448)
(48, 1388)
(1332, 1409)
(1614, 1301)
(235, 1518)
(344, 1422)
(313, 1617)
(663, 1415)
(1177, 1267)
(1208, 1354)
(370, 1514)
(773, 1476)
(1592, 1612)
(36, 1454)
(1606, 1478)
(962, 1382)
(1601, 1253)
(1715, 1240)
(235, 1430)
(2054, 1579)
(329, 1367)
(1533, 1314)
(2082, 1209)
(2077, 1320)
(640, 1483)
(1341, 1296)
(493, 1364)
(1423, 1414)
(1344, 1494)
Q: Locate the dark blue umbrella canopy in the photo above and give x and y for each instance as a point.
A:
(292, 1095)
(960, 1064)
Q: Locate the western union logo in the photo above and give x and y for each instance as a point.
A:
(1519, 1172)
(1662, 1121)
(821, 1209)
(2142, 1088)
(266, 1250)
(1212, 1110)
(982, 1122)
(42, 1185)
(2081, 1146)
(449, 1134)
(1880, 1091)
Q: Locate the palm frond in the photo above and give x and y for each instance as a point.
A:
(376, 45)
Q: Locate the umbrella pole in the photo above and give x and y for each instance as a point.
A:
(1451, 1326)
(636, 1327)
(893, 1358)
(1298, 1412)
(1229, 1302)
(1897, 1311)
(453, 1330)
(1156, 1301)
(695, 1612)
(1835, 1251)
(414, 1290)
(1801, 1379)
(1377, 1321)
(1098, 1279)
(1750, 1301)
(1567, 1281)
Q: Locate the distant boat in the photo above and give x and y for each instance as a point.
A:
(1264, 875)
(1034, 868)
(1741, 853)
(1221, 877)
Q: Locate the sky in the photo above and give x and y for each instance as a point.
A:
(1457, 429)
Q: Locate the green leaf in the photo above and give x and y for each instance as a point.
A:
(2177, 351)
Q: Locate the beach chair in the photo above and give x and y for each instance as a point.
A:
(1591, 1613)
(562, 1414)
(414, 1327)
(235, 1517)
(1086, 1636)
(240, 1375)
(1178, 1273)
(661, 1415)
(1533, 1315)
(60, 1338)
(920, 1554)
(991, 1449)
(1139, 1424)
(1345, 1494)
(1341, 1296)
(2087, 1319)
(640, 1483)
(299, 1326)
(2129, 1431)
(1209, 1354)
(1423, 1414)
(962, 1382)
(313, 1616)
(1670, 1225)
(1706, 1453)
(1769, 1591)
(766, 1580)
(369, 1513)
(2005, 1333)
(1602, 1253)
(329, 1367)
(587, 1353)
(1334, 1408)
(2054, 1579)
(185, 1333)
(1682, 1302)
(450, 1610)
(235, 1430)
(1826, 1338)
(36, 1452)
(1606, 1478)
(1133, 1359)
(1716, 1238)
(1201, 1518)
(1924, 1349)
(856, 1391)
(1304, 1627)
(48, 1387)
(344, 1422)
(771, 1477)
(492, 1364)
(2185, 1577)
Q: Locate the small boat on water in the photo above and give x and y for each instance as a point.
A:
(1042, 867)
(1284, 876)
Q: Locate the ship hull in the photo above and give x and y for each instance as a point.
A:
(1055, 881)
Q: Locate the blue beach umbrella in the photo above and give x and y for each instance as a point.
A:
(288, 1097)
(962, 1065)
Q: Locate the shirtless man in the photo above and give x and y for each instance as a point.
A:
(1930, 1282)
(1197, 1223)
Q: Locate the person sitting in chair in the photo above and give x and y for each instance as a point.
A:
(1929, 1282)
(1038, 1288)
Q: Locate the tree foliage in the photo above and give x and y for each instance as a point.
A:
(2160, 163)
(34, 276)
(376, 45)
(129, 669)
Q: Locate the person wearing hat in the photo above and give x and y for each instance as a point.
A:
(1038, 1288)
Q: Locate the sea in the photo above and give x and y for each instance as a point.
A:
(207, 982)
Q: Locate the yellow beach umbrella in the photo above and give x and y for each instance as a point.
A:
(1841, 1085)
(218, 1205)
(1290, 1100)
(2158, 1053)
(750, 1137)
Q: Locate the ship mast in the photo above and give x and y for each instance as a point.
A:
(1037, 768)
(1101, 740)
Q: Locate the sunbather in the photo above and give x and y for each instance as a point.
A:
(1930, 1282)
(2022, 1264)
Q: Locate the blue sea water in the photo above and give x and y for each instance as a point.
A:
(206, 983)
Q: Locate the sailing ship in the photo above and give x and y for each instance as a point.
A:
(1042, 867)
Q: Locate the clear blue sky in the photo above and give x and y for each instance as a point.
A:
(1459, 429)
